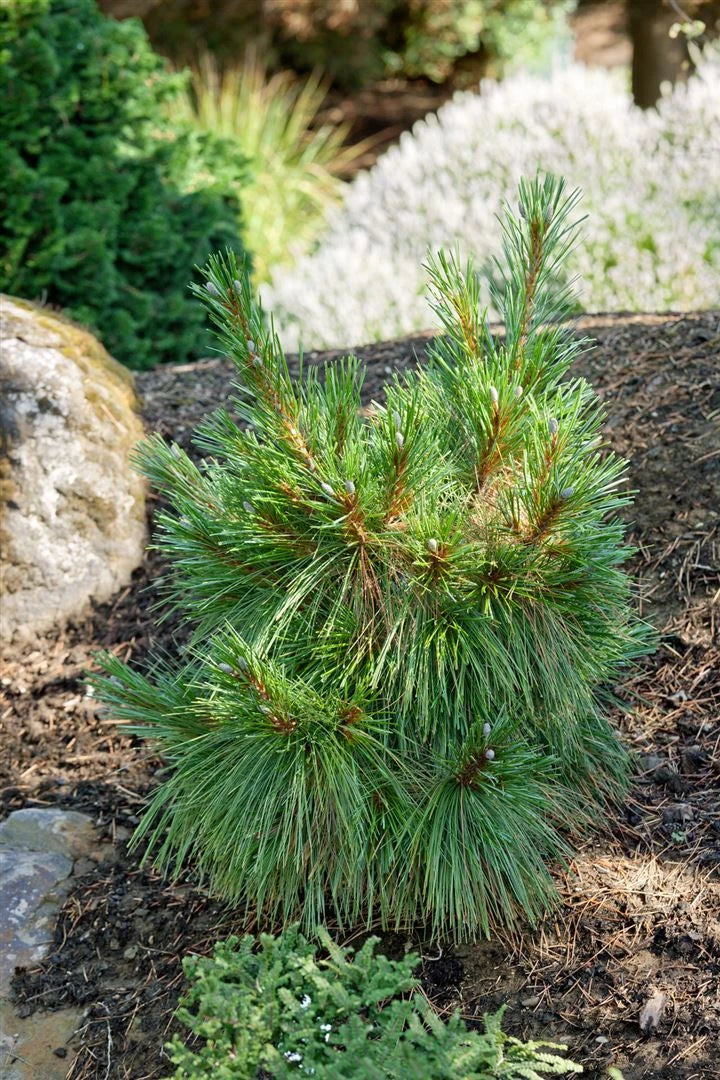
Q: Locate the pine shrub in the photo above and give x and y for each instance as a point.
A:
(647, 178)
(107, 205)
(278, 1010)
(405, 624)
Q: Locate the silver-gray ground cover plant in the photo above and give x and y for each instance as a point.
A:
(651, 184)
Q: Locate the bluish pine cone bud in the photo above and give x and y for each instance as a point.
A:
(399, 439)
(567, 493)
(349, 487)
(327, 489)
(432, 545)
(489, 754)
(486, 730)
(552, 425)
(212, 288)
(226, 669)
(397, 420)
(494, 396)
(249, 507)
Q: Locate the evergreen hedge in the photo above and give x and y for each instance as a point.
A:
(107, 205)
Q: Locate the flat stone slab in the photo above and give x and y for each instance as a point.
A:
(37, 852)
(29, 1046)
(48, 830)
(33, 884)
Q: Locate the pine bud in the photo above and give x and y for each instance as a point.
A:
(251, 345)
(115, 681)
(518, 391)
(242, 663)
(432, 545)
(397, 420)
(494, 396)
(237, 285)
(212, 288)
(226, 669)
(489, 754)
(327, 489)
(486, 730)
(257, 360)
(521, 210)
(349, 487)
(248, 506)
(399, 439)
(567, 493)
(548, 215)
(552, 425)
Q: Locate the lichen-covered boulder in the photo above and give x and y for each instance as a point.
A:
(72, 520)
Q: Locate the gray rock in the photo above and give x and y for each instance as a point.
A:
(48, 830)
(72, 522)
(32, 886)
(37, 849)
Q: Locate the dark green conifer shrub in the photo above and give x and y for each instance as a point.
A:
(406, 624)
(281, 1011)
(106, 204)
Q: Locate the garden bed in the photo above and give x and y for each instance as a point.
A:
(641, 911)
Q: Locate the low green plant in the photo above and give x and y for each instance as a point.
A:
(278, 1010)
(294, 160)
(405, 625)
(107, 205)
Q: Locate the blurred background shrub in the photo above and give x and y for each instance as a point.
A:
(650, 179)
(358, 41)
(107, 204)
(294, 158)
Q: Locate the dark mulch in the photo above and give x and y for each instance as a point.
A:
(641, 907)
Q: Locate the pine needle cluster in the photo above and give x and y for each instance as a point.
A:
(406, 622)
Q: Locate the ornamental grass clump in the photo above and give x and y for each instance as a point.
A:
(294, 160)
(406, 622)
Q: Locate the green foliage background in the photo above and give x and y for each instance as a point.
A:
(361, 41)
(105, 204)
(281, 1011)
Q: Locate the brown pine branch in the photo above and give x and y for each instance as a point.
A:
(537, 249)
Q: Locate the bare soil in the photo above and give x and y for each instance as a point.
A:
(640, 918)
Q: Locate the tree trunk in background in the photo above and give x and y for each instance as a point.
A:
(657, 58)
